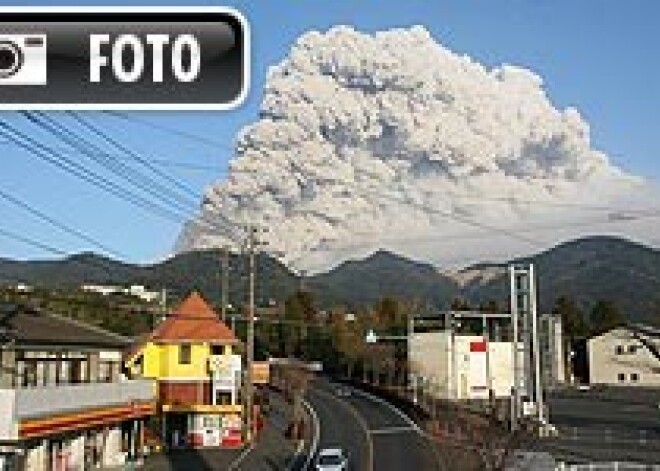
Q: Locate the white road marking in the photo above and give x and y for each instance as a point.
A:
(392, 430)
(315, 439)
(391, 407)
(242, 456)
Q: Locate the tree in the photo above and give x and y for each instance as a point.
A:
(460, 304)
(300, 307)
(572, 319)
(470, 441)
(387, 313)
(489, 306)
(605, 316)
(295, 379)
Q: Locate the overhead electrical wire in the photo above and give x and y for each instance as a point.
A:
(137, 157)
(170, 130)
(222, 223)
(145, 183)
(60, 225)
(74, 168)
(92, 263)
(32, 242)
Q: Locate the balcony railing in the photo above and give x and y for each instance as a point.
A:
(21, 404)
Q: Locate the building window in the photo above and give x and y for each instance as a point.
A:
(632, 349)
(622, 377)
(139, 365)
(217, 349)
(222, 398)
(184, 354)
(618, 350)
(634, 377)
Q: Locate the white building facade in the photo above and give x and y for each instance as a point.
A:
(63, 402)
(458, 366)
(625, 356)
(454, 365)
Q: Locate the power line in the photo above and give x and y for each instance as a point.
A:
(462, 219)
(90, 262)
(71, 166)
(32, 242)
(69, 230)
(68, 165)
(162, 162)
(517, 200)
(75, 140)
(137, 157)
(170, 130)
(121, 170)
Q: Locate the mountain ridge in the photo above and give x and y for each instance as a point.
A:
(587, 269)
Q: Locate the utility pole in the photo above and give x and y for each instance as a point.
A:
(225, 282)
(249, 389)
(163, 306)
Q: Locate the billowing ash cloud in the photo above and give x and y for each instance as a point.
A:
(391, 140)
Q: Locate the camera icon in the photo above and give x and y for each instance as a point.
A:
(23, 59)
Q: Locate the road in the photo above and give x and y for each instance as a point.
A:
(374, 434)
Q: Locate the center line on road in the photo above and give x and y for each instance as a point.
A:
(369, 466)
(391, 430)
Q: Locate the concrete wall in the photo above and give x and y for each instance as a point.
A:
(430, 356)
(501, 367)
(457, 372)
(606, 364)
(8, 424)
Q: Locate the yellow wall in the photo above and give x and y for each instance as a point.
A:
(162, 361)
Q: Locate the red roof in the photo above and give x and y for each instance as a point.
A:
(195, 321)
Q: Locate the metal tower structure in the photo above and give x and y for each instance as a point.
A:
(527, 394)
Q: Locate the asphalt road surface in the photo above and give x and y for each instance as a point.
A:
(374, 434)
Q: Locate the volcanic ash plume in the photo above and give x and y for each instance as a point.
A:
(391, 140)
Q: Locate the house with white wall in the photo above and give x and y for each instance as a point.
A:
(625, 356)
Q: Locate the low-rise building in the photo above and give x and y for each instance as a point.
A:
(137, 291)
(193, 357)
(63, 401)
(627, 355)
(461, 366)
(458, 365)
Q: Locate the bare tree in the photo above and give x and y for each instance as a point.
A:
(471, 441)
(295, 381)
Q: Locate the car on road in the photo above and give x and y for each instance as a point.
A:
(332, 459)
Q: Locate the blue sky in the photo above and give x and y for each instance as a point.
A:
(599, 56)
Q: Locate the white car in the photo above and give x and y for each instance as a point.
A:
(332, 459)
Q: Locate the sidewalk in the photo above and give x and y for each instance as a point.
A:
(270, 451)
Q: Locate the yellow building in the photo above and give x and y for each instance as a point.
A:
(192, 356)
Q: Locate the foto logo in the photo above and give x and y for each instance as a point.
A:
(23, 59)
